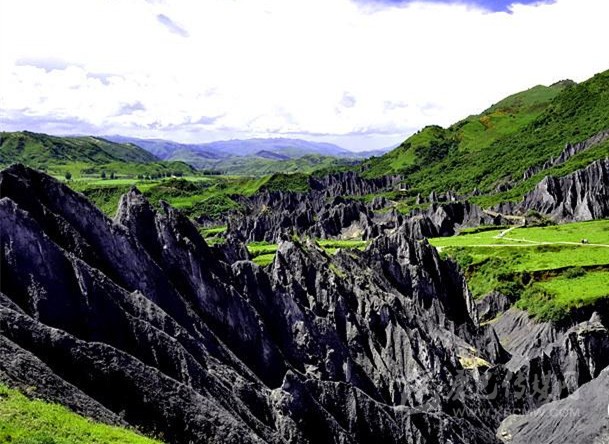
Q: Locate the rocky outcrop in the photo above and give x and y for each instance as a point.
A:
(579, 418)
(329, 209)
(582, 195)
(446, 219)
(492, 305)
(138, 321)
(350, 183)
(449, 196)
(270, 215)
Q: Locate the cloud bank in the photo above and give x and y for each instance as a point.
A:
(361, 73)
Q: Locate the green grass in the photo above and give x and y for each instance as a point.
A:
(296, 182)
(28, 421)
(261, 248)
(264, 259)
(488, 237)
(554, 298)
(536, 263)
(263, 253)
(596, 232)
(105, 197)
(105, 194)
(213, 235)
(214, 231)
(590, 286)
(331, 246)
(211, 196)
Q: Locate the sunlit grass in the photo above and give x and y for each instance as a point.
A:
(27, 421)
(547, 254)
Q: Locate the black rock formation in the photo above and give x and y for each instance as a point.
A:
(582, 195)
(445, 219)
(138, 321)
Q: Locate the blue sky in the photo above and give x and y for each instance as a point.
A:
(491, 5)
(359, 73)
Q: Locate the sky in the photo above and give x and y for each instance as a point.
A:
(363, 74)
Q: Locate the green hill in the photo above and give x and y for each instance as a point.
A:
(258, 166)
(498, 145)
(82, 156)
(44, 149)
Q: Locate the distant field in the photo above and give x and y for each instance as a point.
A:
(566, 272)
(209, 196)
(27, 421)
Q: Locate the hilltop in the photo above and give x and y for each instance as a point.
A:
(489, 153)
(83, 156)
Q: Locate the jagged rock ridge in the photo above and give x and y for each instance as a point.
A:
(582, 195)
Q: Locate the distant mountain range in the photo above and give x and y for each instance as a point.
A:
(252, 156)
(291, 148)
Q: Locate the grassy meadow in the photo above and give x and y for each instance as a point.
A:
(549, 268)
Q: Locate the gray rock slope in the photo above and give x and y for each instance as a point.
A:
(582, 195)
(135, 320)
(329, 211)
(582, 417)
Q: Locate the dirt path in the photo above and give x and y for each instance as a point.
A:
(556, 243)
(504, 232)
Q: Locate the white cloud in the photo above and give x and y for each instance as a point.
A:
(244, 68)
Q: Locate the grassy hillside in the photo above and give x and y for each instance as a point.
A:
(257, 165)
(27, 421)
(42, 149)
(547, 267)
(498, 145)
(83, 156)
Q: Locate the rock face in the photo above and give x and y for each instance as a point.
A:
(323, 212)
(582, 195)
(271, 214)
(580, 418)
(137, 321)
(350, 183)
(445, 219)
(323, 215)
